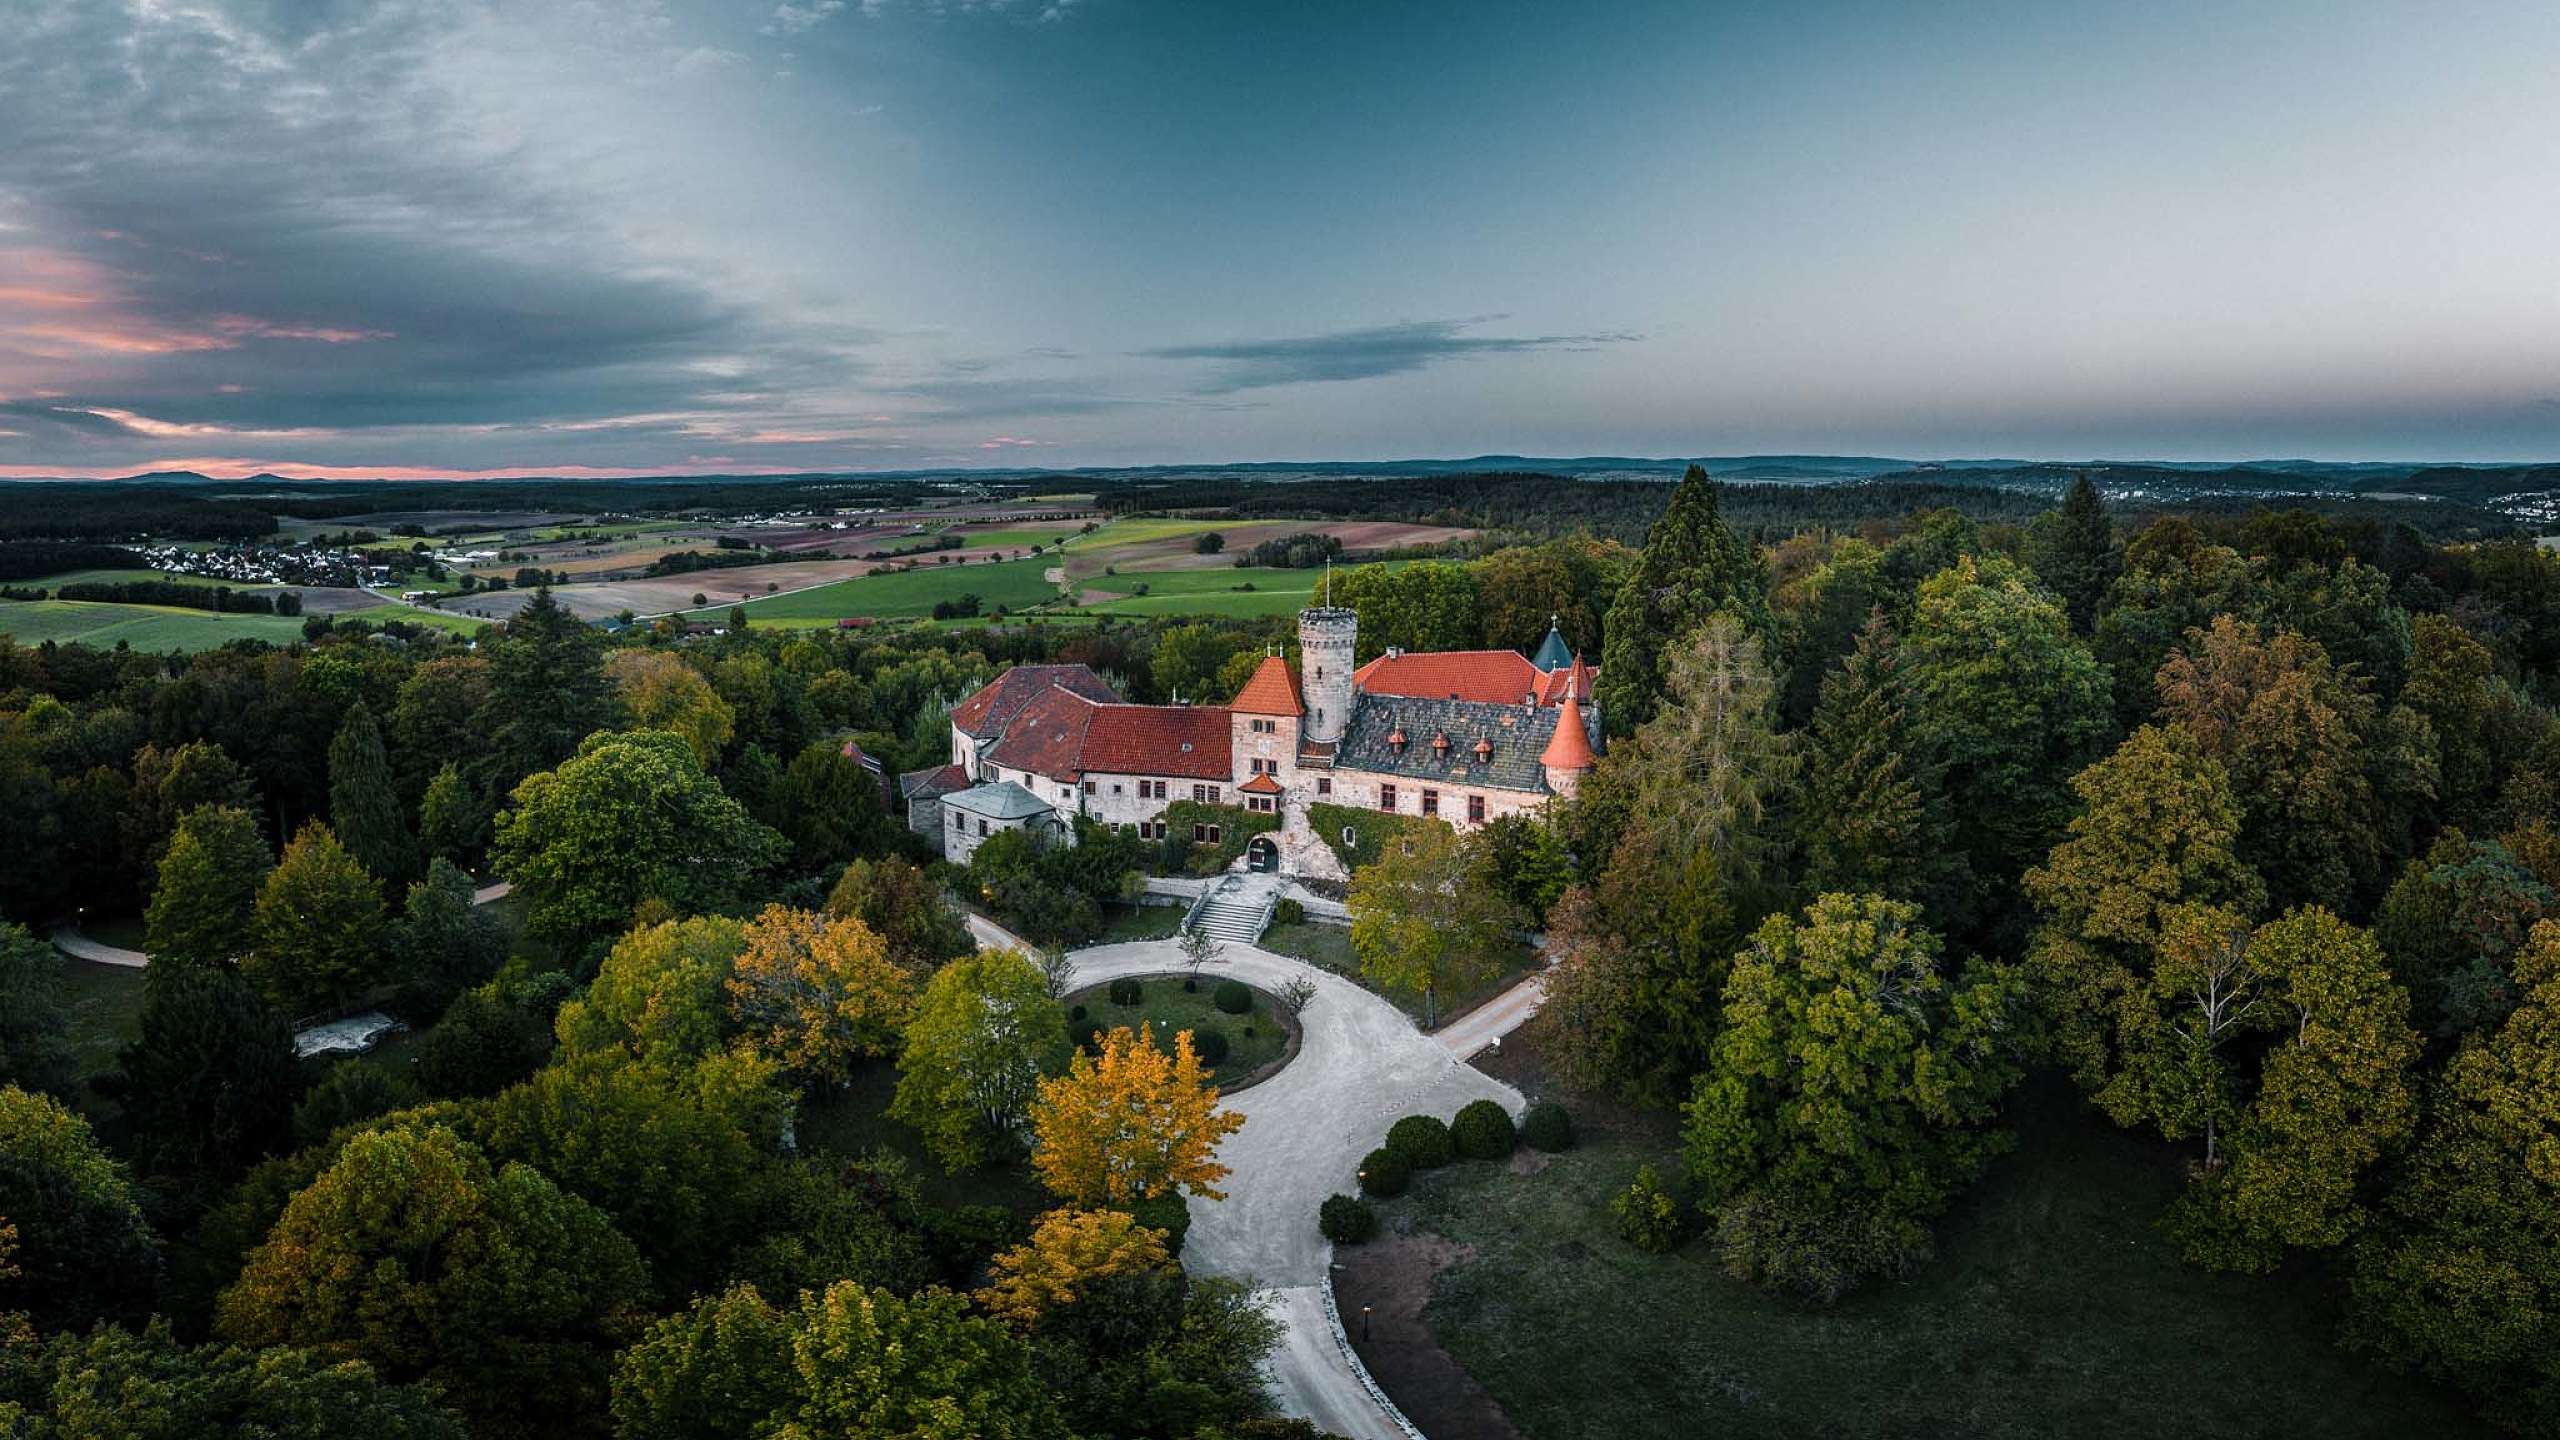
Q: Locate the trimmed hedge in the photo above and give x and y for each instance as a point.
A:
(1483, 1131)
(1234, 997)
(1422, 1141)
(1346, 1219)
(1383, 1173)
(1209, 1045)
(1127, 991)
(1546, 1127)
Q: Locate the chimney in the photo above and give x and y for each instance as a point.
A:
(1395, 652)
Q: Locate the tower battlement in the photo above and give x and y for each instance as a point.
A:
(1327, 642)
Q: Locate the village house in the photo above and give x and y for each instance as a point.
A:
(1462, 736)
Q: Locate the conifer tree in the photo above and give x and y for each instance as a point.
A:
(452, 823)
(364, 807)
(547, 692)
(1693, 566)
(2074, 550)
(1873, 816)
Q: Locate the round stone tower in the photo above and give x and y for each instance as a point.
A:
(1325, 636)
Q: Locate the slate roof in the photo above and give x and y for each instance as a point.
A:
(1518, 734)
(1003, 800)
(1553, 654)
(987, 713)
(1272, 690)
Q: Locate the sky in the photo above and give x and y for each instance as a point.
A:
(418, 238)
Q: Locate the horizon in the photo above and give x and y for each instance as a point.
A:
(387, 240)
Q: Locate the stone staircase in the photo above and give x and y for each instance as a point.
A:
(1232, 914)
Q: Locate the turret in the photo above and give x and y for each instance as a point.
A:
(1569, 756)
(1326, 636)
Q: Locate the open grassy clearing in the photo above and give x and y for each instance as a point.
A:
(105, 1005)
(152, 628)
(1254, 1039)
(2055, 1306)
(1013, 584)
(1328, 947)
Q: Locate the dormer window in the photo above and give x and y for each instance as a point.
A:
(1396, 738)
(1440, 744)
(1484, 751)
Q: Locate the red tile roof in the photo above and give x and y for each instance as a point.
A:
(1046, 735)
(1272, 690)
(1260, 785)
(1570, 747)
(1490, 677)
(1195, 742)
(999, 700)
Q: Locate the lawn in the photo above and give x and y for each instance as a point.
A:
(1138, 922)
(1328, 947)
(1014, 584)
(105, 1006)
(154, 629)
(2055, 1306)
(1254, 1039)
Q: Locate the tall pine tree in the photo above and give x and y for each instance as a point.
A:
(1693, 566)
(547, 692)
(1874, 813)
(364, 807)
(2074, 550)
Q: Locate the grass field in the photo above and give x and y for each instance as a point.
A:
(159, 629)
(1014, 584)
(1164, 1004)
(1328, 947)
(2055, 1306)
(105, 1005)
(128, 577)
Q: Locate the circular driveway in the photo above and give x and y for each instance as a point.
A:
(1362, 1065)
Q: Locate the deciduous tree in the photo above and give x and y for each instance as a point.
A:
(319, 926)
(661, 692)
(1855, 1087)
(818, 996)
(983, 1034)
(1132, 1123)
(660, 994)
(84, 1253)
(35, 1048)
(204, 908)
(1069, 1252)
(631, 818)
(1425, 917)
(413, 1254)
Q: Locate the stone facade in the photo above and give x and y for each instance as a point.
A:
(1427, 739)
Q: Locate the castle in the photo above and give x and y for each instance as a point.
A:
(1465, 736)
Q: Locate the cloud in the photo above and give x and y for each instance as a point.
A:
(1364, 354)
(799, 19)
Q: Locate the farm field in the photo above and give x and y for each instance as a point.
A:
(160, 629)
(1152, 544)
(316, 599)
(1014, 584)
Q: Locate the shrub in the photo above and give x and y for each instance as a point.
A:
(1127, 991)
(1076, 1014)
(1346, 1219)
(1483, 1131)
(1209, 1045)
(1089, 1038)
(1648, 1215)
(1288, 912)
(1421, 1141)
(1546, 1127)
(1234, 997)
(1383, 1173)
(1168, 1213)
(1817, 1247)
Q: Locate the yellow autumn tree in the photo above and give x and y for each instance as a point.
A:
(661, 692)
(1070, 1250)
(1132, 1124)
(817, 995)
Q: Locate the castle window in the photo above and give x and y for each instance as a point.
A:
(1386, 797)
(1430, 802)
(1475, 809)
(1324, 784)
(1350, 838)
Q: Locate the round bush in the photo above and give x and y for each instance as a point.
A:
(1422, 1141)
(1209, 1045)
(1346, 1219)
(1234, 997)
(1483, 1131)
(1089, 1038)
(1384, 1173)
(1127, 991)
(1546, 1127)
(1076, 1014)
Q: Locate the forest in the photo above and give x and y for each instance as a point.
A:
(2240, 823)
